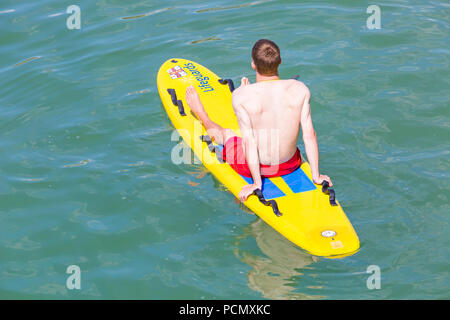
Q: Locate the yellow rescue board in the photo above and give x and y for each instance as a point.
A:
(308, 219)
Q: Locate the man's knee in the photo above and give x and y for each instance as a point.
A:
(227, 134)
(216, 134)
(221, 135)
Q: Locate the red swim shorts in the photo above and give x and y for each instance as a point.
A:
(233, 154)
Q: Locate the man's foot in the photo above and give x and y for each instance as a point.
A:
(194, 102)
(216, 132)
(244, 81)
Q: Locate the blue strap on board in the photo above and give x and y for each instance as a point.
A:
(269, 189)
(298, 181)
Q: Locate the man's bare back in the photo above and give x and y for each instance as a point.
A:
(274, 108)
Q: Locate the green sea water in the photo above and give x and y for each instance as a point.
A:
(86, 177)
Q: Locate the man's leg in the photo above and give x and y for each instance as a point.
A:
(217, 133)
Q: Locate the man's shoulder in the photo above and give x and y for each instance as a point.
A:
(242, 93)
(293, 88)
(297, 86)
(297, 92)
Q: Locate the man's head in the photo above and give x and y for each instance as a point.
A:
(266, 57)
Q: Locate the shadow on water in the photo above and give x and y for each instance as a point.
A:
(274, 275)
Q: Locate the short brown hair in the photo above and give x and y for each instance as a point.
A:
(266, 56)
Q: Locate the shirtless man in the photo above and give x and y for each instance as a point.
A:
(270, 113)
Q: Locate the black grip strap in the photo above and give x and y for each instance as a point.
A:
(295, 77)
(180, 107)
(207, 139)
(229, 82)
(265, 202)
(327, 190)
(173, 95)
(212, 148)
(176, 102)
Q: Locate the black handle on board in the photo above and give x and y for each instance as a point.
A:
(176, 102)
(327, 190)
(265, 202)
(229, 82)
(212, 148)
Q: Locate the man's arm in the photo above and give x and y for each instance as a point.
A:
(250, 148)
(310, 141)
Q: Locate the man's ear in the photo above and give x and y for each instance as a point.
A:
(253, 65)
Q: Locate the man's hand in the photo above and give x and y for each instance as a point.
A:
(244, 81)
(247, 191)
(323, 178)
